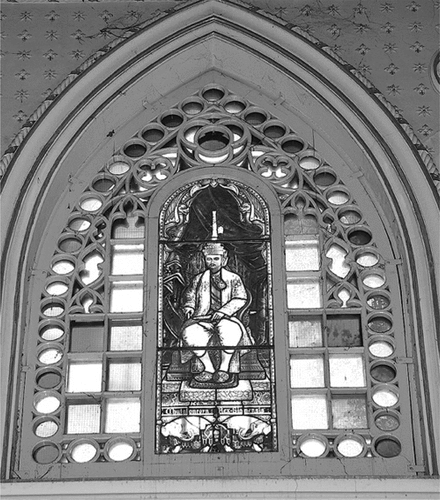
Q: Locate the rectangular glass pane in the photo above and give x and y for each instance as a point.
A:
(84, 376)
(309, 412)
(126, 338)
(86, 337)
(83, 419)
(302, 255)
(347, 370)
(307, 371)
(305, 333)
(349, 412)
(344, 331)
(303, 293)
(127, 259)
(123, 415)
(126, 296)
(124, 376)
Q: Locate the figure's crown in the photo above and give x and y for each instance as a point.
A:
(214, 249)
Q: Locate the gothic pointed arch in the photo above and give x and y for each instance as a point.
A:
(350, 210)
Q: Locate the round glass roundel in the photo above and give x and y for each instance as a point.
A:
(46, 453)
(350, 447)
(213, 140)
(359, 237)
(53, 310)
(373, 280)
(103, 185)
(118, 167)
(91, 204)
(192, 107)
(234, 107)
(79, 224)
(172, 120)
(46, 428)
(51, 332)
(381, 349)
(292, 146)
(313, 447)
(309, 163)
(48, 379)
(214, 94)
(367, 259)
(385, 397)
(56, 288)
(387, 422)
(46, 403)
(324, 178)
(255, 118)
(135, 149)
(388, 447)
(382, 372)
(378, 301)
(274, 131)
(63, 267)
(50, 356)
(338, 197)
(380, 324)
(70, 245)
(349, 217)
(83, 451)
(120, 450)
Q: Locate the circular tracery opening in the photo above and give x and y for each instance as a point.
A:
(213, 140)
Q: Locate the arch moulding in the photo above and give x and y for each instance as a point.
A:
(282, 71)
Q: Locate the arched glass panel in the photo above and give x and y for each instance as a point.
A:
(215, 345)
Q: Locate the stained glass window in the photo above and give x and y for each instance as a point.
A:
(158, 311)
(216, 348)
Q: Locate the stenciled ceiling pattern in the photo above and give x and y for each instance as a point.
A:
(392, 43)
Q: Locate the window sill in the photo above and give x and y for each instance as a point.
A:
(233, 488)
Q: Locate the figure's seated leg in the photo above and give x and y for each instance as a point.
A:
(230, 334)
(197, 336)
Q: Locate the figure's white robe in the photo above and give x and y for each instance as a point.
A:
(233, 299)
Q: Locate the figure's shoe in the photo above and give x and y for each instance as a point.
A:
(221, 376)
(204, 377)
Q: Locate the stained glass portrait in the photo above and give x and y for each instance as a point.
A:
(215, 355)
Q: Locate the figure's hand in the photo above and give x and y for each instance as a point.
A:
(188, 311)
(217, 316)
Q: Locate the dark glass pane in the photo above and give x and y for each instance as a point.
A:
(292, 146)
(135, 150)
(46, 454)
(103, 185)
(359, 237)
(213, 141)
(172, 120)
(255, 118)
(344, 331)
(325, 179)
(86, 337)
(153, 135)
(213, 95)
(388, 448)
(49, 379)
(383, 373)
